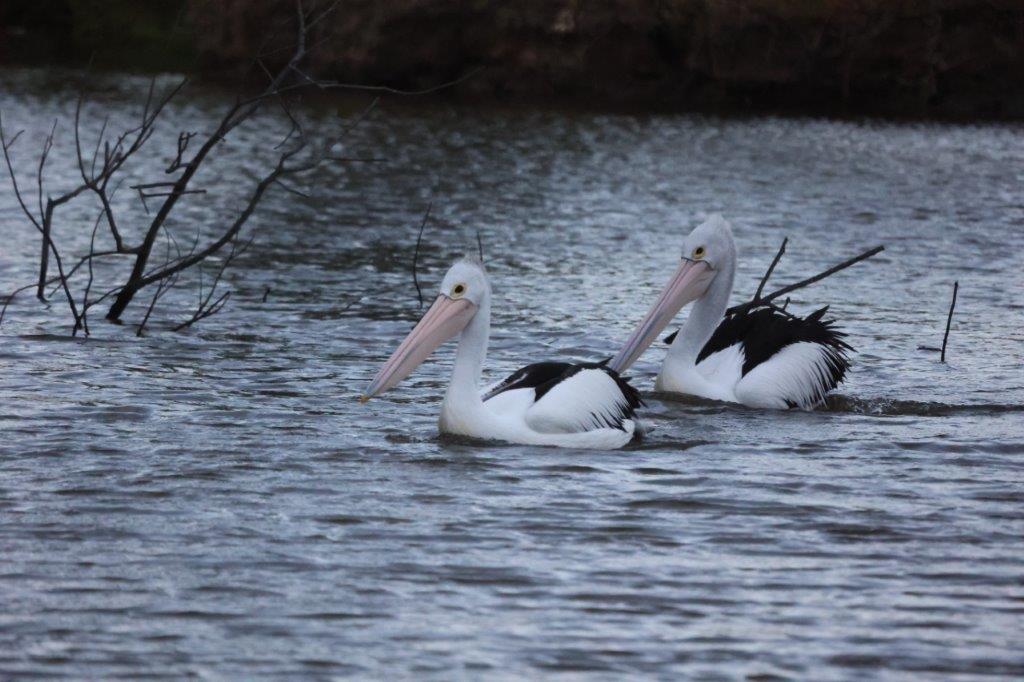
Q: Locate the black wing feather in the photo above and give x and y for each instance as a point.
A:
(530, 376)
(763, 332)
(543, 376)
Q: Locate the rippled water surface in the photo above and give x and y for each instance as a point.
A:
(215, 502)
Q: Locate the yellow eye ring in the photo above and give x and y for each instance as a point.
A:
(458, 290)
(698, 253)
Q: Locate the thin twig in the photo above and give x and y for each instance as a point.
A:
(949, 321)
(176, 163)
(100, 172)
(161, 287)
(479, 246)
(10, 297)
(205, 308)
(292, 190)
(88, 285)
(758, 302)
(356, 87)
(771, 268)
(416, 254)
(14, 178)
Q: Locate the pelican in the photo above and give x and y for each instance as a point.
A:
(549, 403)
(759, 358)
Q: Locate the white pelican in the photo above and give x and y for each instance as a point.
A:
(548, 403)
(760, 358)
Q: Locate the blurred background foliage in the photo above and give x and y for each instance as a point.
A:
(149, 35)
(956, 58)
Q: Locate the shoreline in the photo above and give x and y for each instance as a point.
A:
(227, 86)
(901, 60)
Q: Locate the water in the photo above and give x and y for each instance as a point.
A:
(215, 503)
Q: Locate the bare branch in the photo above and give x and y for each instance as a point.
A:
(949, 321)
(416, 254)
(291, 189)
(10, 297)
(47, 146)
(759, 302)
(14, 178)
(205, 308)
(99, 141)
(234, 116)
(356, 87)
(297, 155)
(183, 139)
(161, 288)
(143, 194)
(88, 285)
(771, 268)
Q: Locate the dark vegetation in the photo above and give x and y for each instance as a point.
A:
(956, 58)
(149, 35)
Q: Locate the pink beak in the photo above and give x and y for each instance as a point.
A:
(445, 318)
(690, 281)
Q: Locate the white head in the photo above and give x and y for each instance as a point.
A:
(466, 279)
(707, 251)
(711, 242)
(463, 291)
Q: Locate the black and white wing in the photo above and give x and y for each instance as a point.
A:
(776, 360)
(563, 397)
(530, 376)
(585, 397)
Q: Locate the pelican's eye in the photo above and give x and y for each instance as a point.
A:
(458, 290)
(698, 253)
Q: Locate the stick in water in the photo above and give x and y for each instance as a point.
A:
(416, 254)
(758, 302)
(771, 268)
(949, 320)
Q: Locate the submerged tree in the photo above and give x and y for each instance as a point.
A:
(100, 173)
(103, 168)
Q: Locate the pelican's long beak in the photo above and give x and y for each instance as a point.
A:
(445, 318)
(690, 281)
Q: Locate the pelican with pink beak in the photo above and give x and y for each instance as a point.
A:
(582, 405)
(760, 357)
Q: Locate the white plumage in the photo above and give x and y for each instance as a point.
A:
(762, 357)
(559, 404)
(587, 400)
(796, 376)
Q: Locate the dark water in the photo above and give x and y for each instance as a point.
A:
(215, 503)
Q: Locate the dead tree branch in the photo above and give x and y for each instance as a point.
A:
(102, 162)
(949, 321)
(88, 285)
(238, 113)
(771, 268)
(758, 302)
(206, 308)
(416, 254)
(163, 287)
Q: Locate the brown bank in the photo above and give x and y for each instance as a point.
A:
(921, 58)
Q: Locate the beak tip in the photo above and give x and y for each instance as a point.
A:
(364, 398)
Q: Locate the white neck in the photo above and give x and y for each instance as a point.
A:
(462, 401)
(705, 315)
